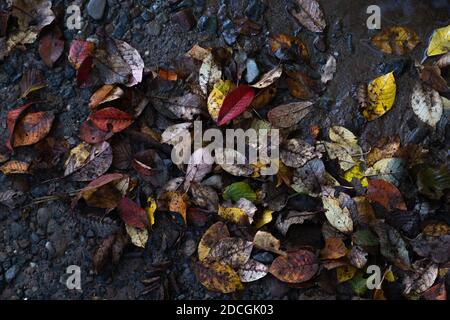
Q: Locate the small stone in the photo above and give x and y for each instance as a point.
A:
(147, 15)
(185, 18)
(264, 257)
(153, 28)
(189, 247)
(252, 71)
(96, 8)
(162, 18)
(16, 230)
(11, 273)
(42, 216)
(208, 24)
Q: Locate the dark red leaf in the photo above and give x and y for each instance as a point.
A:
(132, 214)
(79, 51)
(235, 103)
(385, 194)
(91, 134)
(51, 46)
(84, 73)
(111, 119)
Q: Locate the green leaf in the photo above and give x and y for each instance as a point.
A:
(432, 182)
(365, 238)
(238, 190)
(358, 284)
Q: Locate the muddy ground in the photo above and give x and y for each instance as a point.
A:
(39, 241)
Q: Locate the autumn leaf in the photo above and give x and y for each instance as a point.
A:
(426, 104)
(11, 121)
(238, 190)
(433, 181)
(265, 218)
(385, 194)
(309, 14)
(139, 237)
(240, 213)
(380, 96)
(235, 103)
(89, 133)
(284, 222)
(32, 128)
(440, 42)
(150, 210)
(396, 40)
(200, 164)
(252, 271)
(104, 192)
(111, 119)
(268, 78)
(234, 252)
(298, 266)
(218, 277)
(106, 93)
(217, 96)
(176, 202)
(209, 72)
(15, 167)
(132, 214)
(338, 216)
(285, 47)
(210, 238)
(290, 114)
(32, 80)
(79, 51)
(334, 249)
(266, 241)
(51, 45)
(296, 153)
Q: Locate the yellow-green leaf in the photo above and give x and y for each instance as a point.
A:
(238, 190)
(217, 95)
(440, 42)
(380, 96)
(356, 173)
(150, 209)
(264, 219)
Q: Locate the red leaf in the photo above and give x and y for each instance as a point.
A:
(91, 134)
(51, 46)
(84, 73)
(11, 120)
(111, 119)
(298, 266)
(79, 51)
(132, 214)
(235, 103)
(385, 194)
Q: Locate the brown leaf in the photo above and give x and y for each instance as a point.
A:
(431, 75)
(266, 241)
(150, 167)
(11, 121)
(51, 45)
(231, 251)
(298, 266)
(290, 114)
(89, 133)
(309, 14)
(286, 47)
(102, 254)
(210, 238)
(396, 40)
(32, 80)
(296, 153)
(106, 93)
(132, 214)
(334, 249)
(14, 166)
(103, 192)
(302, 86)
(218, 277)
(32, 128)
(268, 78)
(385, 194)
(204, 196)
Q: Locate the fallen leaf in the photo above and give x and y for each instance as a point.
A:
(210, 238)
(334, 249)
(268, 78)
(431, 75)
(111, 119)
(218, 277)
(51, 45)
(139, 237)
(209, 73)
(385, 194)
(386, 148)
(288, 115)
(217, 96)
(293, 217)
(186, 107)
(302, 86)
(252, 271)
(104, 191)
(102, 254)
(357, 257)
(234, 252)
(132, 214)
(298, 266)
(238, 190)
(89, 133)
(200, 164)
(389, 169)
(240, 213)
(426, 104)
(176, 202)
(79, 51)
(432, 182)
(32, 128)
(32, 80)
(421, 278)
(396, 40)
(264, 219)
(309, 178)
(365, 238)
(328, 70)
(437, 292)
(436, 248)
(366, 214)
(266, 241)
(174, 133)
(338, 216)
(296, 153)
(380, 96)
(345, 273)
(12, 198)
(235, 103)
(15, 167)
(286, 47)
(440, 42)
(358, 174)
(106, 93)
(204, 197)
(309, 14)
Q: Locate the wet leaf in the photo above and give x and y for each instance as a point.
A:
(392, 245)
(357, 257)
(204, 196)
(89, 133)
(132, 214)
(234, 252)
(218, 277)
(240, 213)
(385, 194)
(173, 134)
(234, 162)
(421, 278)
(186, 107)
(334, 249)
(386, 148)
(396, 40)
(200, 164)
(356, 173)
(431, 75)
(380, 96)
(15, 167)
(389, 169)
(358, 284)
(79, 51)
(139, 237)
(309, 14)
(209, 73)
(238, 190)
(102, 254)
(266, 241)
(440, 42)
(328, 70)
(309, 178)
(426, 104)
(290, 114)
(88, 162)
(286, 47)
(176, 202)
(111, 119)
(51, 46)
(106, 93)
(105, 191)
(268, 78)
(298, 266)
(302, 86)
(338, 216)
(264, 219)
(293, 217)
(12, 119)
(32, 80)
(252, 271)
(32, 128)
(432, 182)
(365, 238)
(210, 238)
(436, 248)
(297, 153)
(235, 103)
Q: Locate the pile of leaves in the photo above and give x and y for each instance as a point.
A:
(352, 200)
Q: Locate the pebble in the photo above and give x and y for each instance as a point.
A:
(16, 230)
(153, 28)
(147, 15)
(185, 18)
(96, 8)
(42, 217)
(11, 273)
(189, 247)
(252, 71)
(264, 257)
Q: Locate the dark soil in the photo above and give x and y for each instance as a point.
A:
(38, 241)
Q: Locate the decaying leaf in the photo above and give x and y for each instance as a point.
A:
(200, 164)
(204, 196)
(385, 194)
(389, 169)
(186, 107)
(396, 40)
(298, 266)
(111, 119)
(380, 96)
(106, 93)
(357, 257)
(286, 47)
(105, 191)
(32, 128)
(139, 237)
(209, 73)
(235, 103)
(241, 213)
(32, 80)
(421, 278)
(266, 241)
(338, 216)
(334, 249)
(293, 217)
(51, 45)
(296, 153)
(132, 214)
(176, 202)
(234, 252)
(386, 148)
(290, 114)
(252, 271)
(268, 78)
(218, 277)
(392, 245)
(436, 248)
(328, 70)
(433, 181)
(210, 238)
(426, 104)
(15, 167)
(309, 14)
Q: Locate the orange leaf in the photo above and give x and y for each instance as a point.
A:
(334, 249)
(297, 266)
(32, 128)
(111, 119)
(385, 194)
(14, 166)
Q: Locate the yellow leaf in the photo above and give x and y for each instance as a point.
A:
(217, 95)
(177, 203)
(356, 173)
(235, 215)
(138, 237)
(150, 209)
(345, 273)
(440, 42)
(380, 96)
(389, 276)
(284, 174)
(15, 166)
(264, 219)
(218, 277)
(210, 238)
(397, 40)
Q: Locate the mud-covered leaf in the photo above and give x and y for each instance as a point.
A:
(380, 96)
(309, 14)
(426, 104)
(298, 266)
(385, 194)
(296, 153)
(235, 103)
(396, 40)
